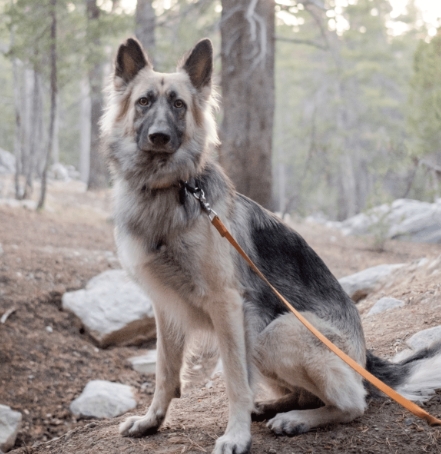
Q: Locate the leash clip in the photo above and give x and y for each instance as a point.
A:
(199, 194)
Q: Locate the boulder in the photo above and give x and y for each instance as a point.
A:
(113, 309)
(103, 399)
(10, 422)
(360, 284)
(404, 219)
(7, 162)
(144, 364)
(384, 304)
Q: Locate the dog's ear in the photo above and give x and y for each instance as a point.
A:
(129, 61)
(199, 64)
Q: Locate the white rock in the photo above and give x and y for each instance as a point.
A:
(58, 171)
(7, 162)
(144, 364)
(13, 203)
(113, 309)
(10, 422)
(384, 304)
(409, 220)
(418, 341)
(360, 284)
(103, 399)
(424, 338)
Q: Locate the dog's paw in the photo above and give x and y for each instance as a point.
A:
(229, 444)
(287, 424)
(139, 426)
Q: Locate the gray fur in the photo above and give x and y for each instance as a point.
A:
(199, 283)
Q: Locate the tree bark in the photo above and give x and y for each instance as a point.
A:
(97, 171)
(85, 124)
(145, 21)
(53, 108)
(247, 53)
(18, 125)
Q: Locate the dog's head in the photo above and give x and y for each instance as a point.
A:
(158, 127)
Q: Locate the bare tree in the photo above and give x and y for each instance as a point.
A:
(145, 24)
(53, 107)
(97, 172)
(247, 33)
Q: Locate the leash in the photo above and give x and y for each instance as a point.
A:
(199, 195)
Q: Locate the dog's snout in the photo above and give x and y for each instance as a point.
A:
(159, 139)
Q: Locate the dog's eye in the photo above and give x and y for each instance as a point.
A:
(143, 102)
(178, 104)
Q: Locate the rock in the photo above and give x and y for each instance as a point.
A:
(14, 203)
(58, 171)
(404, 219)
(384, 304)
(418, 341)
(144, 364)
(10, 422)
(103, 399)
(113, 309)
(360, 284)
(7, 162)
(424, 338)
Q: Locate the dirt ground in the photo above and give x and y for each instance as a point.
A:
(46, 359)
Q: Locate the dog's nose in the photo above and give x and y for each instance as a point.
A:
(159, 139)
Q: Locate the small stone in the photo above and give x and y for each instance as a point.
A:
(384, 304)
(425, 338)
(49, 329)
(103, 399)
(10, 422)
(144, 364)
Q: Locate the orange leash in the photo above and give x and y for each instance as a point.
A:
(411, 406)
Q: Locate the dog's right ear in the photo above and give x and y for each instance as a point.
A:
(129, 61)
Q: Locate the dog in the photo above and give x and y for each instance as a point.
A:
(159, 135)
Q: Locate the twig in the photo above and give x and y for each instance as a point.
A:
(195, 444)
(7, 314)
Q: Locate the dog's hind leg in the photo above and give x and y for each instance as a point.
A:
(286, 350)
(170, 348)
(299, 399)
(229, 325)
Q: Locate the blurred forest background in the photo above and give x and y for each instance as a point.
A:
(353, 87)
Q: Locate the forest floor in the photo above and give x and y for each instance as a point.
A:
(46, 359)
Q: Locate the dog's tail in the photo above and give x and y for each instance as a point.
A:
(416, 377)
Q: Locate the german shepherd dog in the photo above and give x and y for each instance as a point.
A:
(158, 132)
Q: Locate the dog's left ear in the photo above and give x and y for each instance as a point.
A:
(199, 64)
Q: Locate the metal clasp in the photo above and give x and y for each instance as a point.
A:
(199, 194)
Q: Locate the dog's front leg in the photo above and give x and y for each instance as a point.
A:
(229, 326)
(170, 347)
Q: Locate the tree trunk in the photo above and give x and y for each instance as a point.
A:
(18, 127)
(56, 139)
(247, 51)
(97, 171)
(145, 20)
(53, 108)
(85, 124)
(27, 121)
